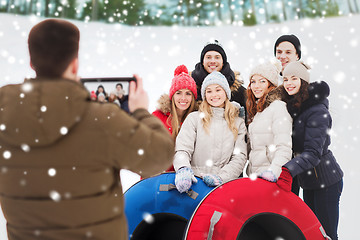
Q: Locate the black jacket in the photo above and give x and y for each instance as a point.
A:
(314, 163)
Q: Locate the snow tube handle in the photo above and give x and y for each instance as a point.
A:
(213, 221)
(168, 187)
(324, 233)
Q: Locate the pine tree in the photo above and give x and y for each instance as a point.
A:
(356, 6)
(284, 9)
(95, 10)
(266, 10)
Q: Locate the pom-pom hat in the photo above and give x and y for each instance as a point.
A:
(93, 95)
(216, 78)
(182, 80)
(298, 69)
(269, 70)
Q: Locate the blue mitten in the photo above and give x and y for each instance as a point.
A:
(184, 178)
(268, 175)
(212, 180)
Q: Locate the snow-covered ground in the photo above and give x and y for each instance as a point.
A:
(331, 46)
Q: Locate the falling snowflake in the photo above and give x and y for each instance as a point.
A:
(209, 163)
(141, 152)
(156, 48)
(52, 172)
(89, 234)
(253, 176)
(37, 233)
(67, 195)
(272, 148)
(2, 127)
(63, 130)
(7, 154)
(252, 35)
(339, 77)
(43, 108)
(236, 151)
(22, 182)
(55, 196)
(354, 43)
(27, 87)
(116, 209)
(276, 193)
(258, 45)
(148, 218)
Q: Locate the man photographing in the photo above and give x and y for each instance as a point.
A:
(61, 153)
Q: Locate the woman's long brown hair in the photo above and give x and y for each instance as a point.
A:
(254, 105)
(297, 99)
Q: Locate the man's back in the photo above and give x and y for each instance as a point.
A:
(60, 160)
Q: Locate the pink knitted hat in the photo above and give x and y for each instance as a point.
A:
(182, 80)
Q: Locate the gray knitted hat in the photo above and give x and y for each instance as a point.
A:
(298, 69)
(215, 78)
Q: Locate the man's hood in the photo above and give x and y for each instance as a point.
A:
(39, 112)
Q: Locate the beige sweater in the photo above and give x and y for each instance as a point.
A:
(270, 139)
(215, 153)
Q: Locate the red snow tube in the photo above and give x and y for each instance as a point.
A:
(245, 209)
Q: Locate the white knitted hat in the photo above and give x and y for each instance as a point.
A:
(215, 78)
(298, 69)
(269, 70)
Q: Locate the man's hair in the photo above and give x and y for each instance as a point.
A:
(119, 84)
(53, 44)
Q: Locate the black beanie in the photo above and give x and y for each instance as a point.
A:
(213, 46)
(289, 38)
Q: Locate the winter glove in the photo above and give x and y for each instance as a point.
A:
(236, 104)
(285, 180)
(212, 180)
(184, 177)
(268, 175)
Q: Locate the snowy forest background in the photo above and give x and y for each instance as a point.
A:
(182, 12)
(117, 47)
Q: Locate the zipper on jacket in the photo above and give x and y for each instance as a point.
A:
(315, 173)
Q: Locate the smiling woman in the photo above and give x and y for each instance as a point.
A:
(269, 123)
(174, 108)
(211, 143)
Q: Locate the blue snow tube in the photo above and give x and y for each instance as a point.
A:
(156, 210)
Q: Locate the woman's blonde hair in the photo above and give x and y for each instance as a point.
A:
(231, 112)
(173, 119)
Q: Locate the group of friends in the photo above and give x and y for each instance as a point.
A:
(284, 133)
(116, 96)
(58, 182)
